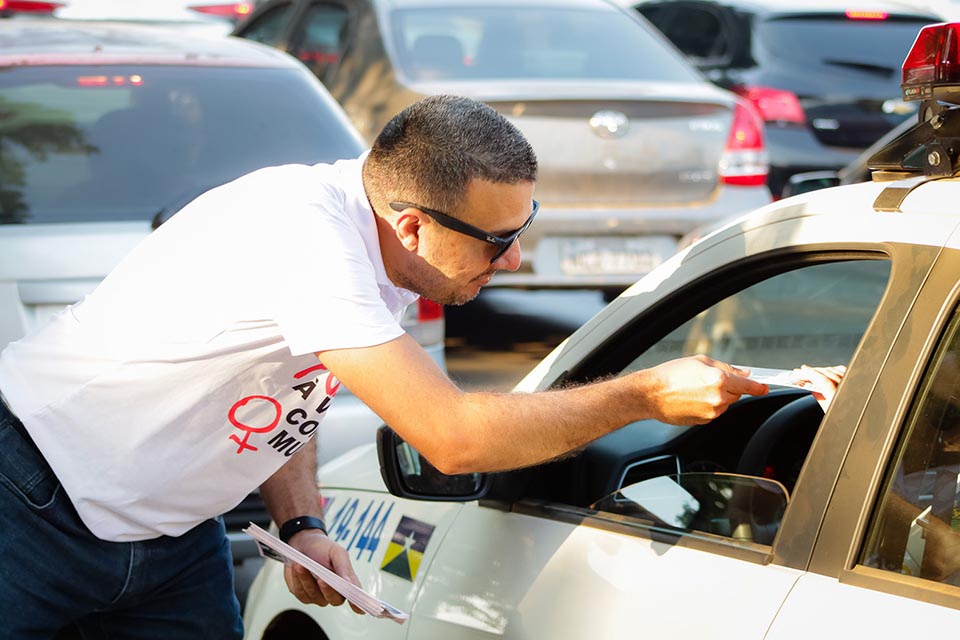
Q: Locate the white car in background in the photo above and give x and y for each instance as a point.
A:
(635, 147)
(776, 521)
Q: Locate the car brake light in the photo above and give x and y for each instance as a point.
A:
(29, 6)
(744, 161)
(424, 323)
(428, 310)
(856, 14)
(932, 68)
(774, 105)
(106, 81)
(232, 10)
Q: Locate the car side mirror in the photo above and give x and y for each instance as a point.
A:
(407, 474)
(810, 181)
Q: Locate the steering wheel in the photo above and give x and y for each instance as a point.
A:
(777, 450)
(779, 446)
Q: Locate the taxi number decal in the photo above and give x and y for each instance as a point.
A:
(366, 532)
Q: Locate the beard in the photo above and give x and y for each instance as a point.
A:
(432, 284)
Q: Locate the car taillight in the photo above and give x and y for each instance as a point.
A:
(234, 10)
(424, 323)
(774, 105)
(28, 6)
(428, 310)
(744, 161)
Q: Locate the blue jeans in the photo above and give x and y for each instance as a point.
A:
(54, 573)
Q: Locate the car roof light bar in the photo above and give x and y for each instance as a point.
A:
(931, 74)
(931, 71)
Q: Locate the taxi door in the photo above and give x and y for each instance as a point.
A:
(525, 577)
(875, 571)
(391, 543)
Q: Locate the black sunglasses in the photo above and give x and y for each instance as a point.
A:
(502, 243)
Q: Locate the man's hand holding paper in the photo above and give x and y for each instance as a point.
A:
(309, 589)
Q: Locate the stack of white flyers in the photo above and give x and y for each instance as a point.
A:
(274, 548)
(779, 377)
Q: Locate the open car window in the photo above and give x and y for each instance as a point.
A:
(813, 315)
(741, 468)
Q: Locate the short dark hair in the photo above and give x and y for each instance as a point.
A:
(431, 150)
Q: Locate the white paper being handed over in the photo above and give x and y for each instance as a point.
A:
(779, 377)
(274, 548)
(801, 378)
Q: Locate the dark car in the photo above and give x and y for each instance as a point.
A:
(632, 155)
(825, 77)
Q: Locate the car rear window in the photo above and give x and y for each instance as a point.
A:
(514, 42)
(119, 143)
(868, 45)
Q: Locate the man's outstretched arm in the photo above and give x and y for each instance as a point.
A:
(463, 432)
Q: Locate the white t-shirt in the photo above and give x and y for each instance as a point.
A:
(189, 376)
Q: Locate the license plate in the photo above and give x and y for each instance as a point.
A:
(612, 256)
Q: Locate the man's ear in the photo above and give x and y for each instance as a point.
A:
(408, 231)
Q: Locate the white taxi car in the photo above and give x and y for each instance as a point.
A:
(775, 521)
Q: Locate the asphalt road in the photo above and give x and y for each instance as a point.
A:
(495, 340)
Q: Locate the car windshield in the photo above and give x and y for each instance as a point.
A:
(873, 45)
(120, 143)
(462, 43)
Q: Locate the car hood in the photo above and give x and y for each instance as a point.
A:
(357, 470)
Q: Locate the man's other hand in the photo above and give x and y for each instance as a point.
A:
(304, 585)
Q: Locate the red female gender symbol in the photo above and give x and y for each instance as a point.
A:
(247, 429)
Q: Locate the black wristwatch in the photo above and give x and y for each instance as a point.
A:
(294, 525)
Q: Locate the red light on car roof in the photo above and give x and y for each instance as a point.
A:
(29, 6)
(933, 62)
(855, 14)
(232, 10)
